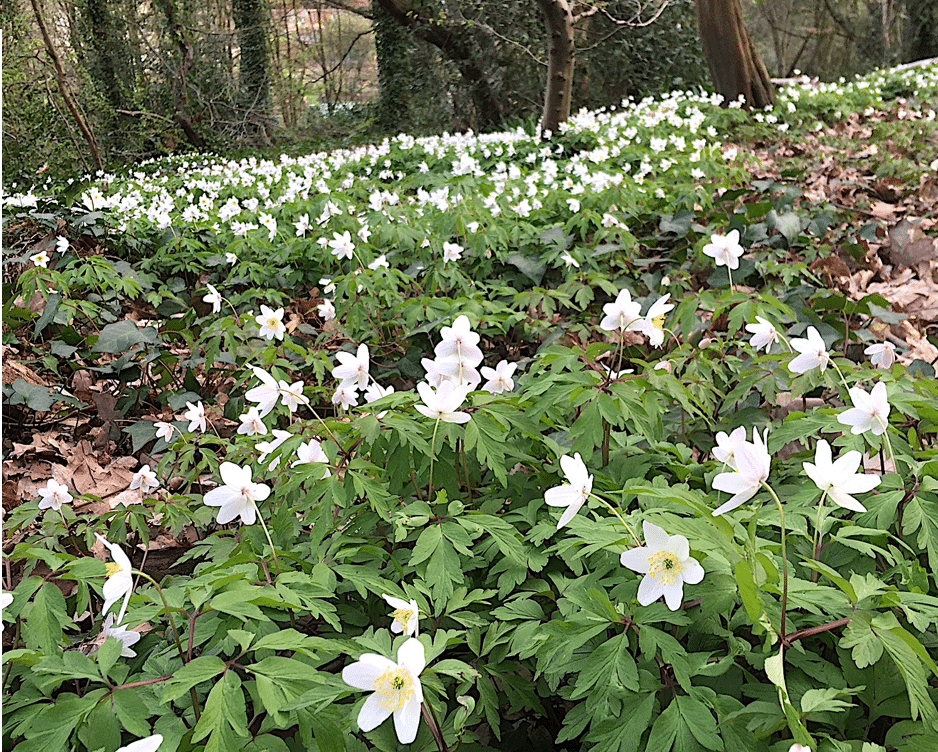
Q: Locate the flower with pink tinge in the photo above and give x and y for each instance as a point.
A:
(574, 493)
(725, 250)
(196, 416)
(352, 371)
(145, 480)
(763, 333)
(342, 245)
(840, 479)
(452, 252)
(164, 430)
(870, 412)
(251, 423)
(345, 397)
(271, 323)
(292, 395)
(813, 353)
(237, 497)
(666, 562)
(54, 495)
(882, 354)
(396, 687)
(326, 310)
(443, 403)
(311, 451)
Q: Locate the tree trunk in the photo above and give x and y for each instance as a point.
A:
(391, 50)
(454, 40)
(254, 72)
(735, 65)
(63, 87)
(561, 57)
(178, 35)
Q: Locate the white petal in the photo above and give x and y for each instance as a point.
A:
(692, 571)
(845, 500)
(561, 496)
(407, 720)
(411, 656)
(649, 590)
(365, 670)
(372, 714)
(655, 537)
(674, 594)
(636, 559)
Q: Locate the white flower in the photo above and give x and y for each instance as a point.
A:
(568, 260)
(396, 688)
(150, 744)
(120, 581)
(345, 397)
(623, 314)
(882, 354)
(271, 323)
(311, 451)
(452, 252)
(267, 447)
(292, 395)
(326, 310)
(725, 450)
(302, 225)
(352, 371)
(342, 245)
(375, 392)
(443, 403)
(870, 412)
(406, 615)
(163, 430)
(382, 260)
(725, 250)
(751, 471)
(652, 324)
(666, 562)
(840, 479)
(763, 334)
(237, 496)
(61, 244)
(797, 747)
(124, 636)
(265, 395)
(251, 423)
(813, 353)
(499, 378)
(41, 259)
(213, 297)
(145, 480)
(230, 258)
(460, 343)
(54, 495)
(196, 416)
(574, 493)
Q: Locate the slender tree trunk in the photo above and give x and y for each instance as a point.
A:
(63, 87)
(561, 58)
(735, 65)
(250, 19)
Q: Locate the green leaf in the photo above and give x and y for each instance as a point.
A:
(195, 672)
(921, 514)
(131, 711)
(48, 313)
(47, 617)
(38, 398)
(623, 733)
(121, 336)
(224, 714)
(825, 700)
(866, 648)
(234, 602)
(427, 543)
(700, 722)
(789, 224)
(610, 667)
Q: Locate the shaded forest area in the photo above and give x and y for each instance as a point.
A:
(103, 83)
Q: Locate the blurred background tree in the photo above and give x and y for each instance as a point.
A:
(149, 79)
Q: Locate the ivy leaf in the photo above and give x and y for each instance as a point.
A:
(121, 336)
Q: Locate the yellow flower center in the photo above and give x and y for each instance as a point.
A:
(664, 567)
(401, 617)
(272, 322)
(112, 568)
(395, 687)
(658, 322)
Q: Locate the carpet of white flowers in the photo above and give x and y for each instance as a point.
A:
(476, 442)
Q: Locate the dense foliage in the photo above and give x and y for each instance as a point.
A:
(407, 540)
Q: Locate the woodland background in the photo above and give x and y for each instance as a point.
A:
(100, 83)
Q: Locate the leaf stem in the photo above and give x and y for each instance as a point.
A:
(273, 551)
(432, 457)
(781, 514)
(619, 516)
